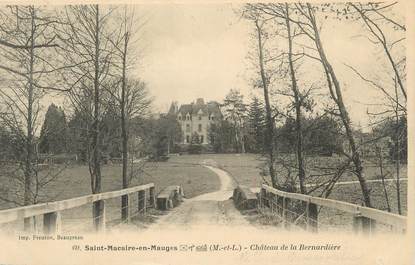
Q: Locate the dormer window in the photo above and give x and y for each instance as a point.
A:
(200, 113)
(187, 117)
(180, 117)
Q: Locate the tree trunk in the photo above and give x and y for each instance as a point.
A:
(398, 154)
(297, 101)
(382, 175)
(168, 145)
(29, 141)
(97, 209)
(332, 80)
(243, 144)
(124, 132)
(242, 136)
(270, 121)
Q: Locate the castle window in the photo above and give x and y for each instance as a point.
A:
(187, 139)
(180, 118)
(200, 128)
(201, 139)
(200, 118)
(187, 127)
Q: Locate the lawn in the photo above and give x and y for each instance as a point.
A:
(74, 181)
(246, 170)
(187, 171)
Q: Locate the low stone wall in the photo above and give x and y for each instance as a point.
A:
(169, 197)
(244, 198)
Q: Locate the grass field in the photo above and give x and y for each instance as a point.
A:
(75, 181)
(188, 172)
(246, 169)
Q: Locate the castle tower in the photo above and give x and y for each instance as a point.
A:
(174, 108)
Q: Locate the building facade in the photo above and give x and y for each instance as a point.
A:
(195, 119)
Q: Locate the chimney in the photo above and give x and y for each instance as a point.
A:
(200, 101)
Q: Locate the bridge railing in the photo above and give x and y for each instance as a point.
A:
(51, 211)
(299, 208)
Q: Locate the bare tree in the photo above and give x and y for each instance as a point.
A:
(307, 22)
(387, 32)
(131, 95)
(28, 44)
(126, 32)
(254, 16)
(87, 35)
(297, 100)
(278, 15)
(376, 18)
(282, 11)
(132, 100)
(124, 131)
(372, 15)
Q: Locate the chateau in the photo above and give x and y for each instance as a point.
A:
(195, 118)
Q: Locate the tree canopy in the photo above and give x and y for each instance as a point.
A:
(54, 132)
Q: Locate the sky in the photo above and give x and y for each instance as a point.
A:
(193, 51)
(190, 51)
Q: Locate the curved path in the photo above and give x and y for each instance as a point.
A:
(226, 187)
(213, 208)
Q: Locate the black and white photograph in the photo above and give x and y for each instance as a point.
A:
(206, 132)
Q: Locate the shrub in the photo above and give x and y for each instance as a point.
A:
(195, 149)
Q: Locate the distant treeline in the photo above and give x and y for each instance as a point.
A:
(157, 137)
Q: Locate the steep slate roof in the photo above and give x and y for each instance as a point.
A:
(211, 107)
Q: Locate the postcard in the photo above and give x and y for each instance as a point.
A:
(206, 132)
